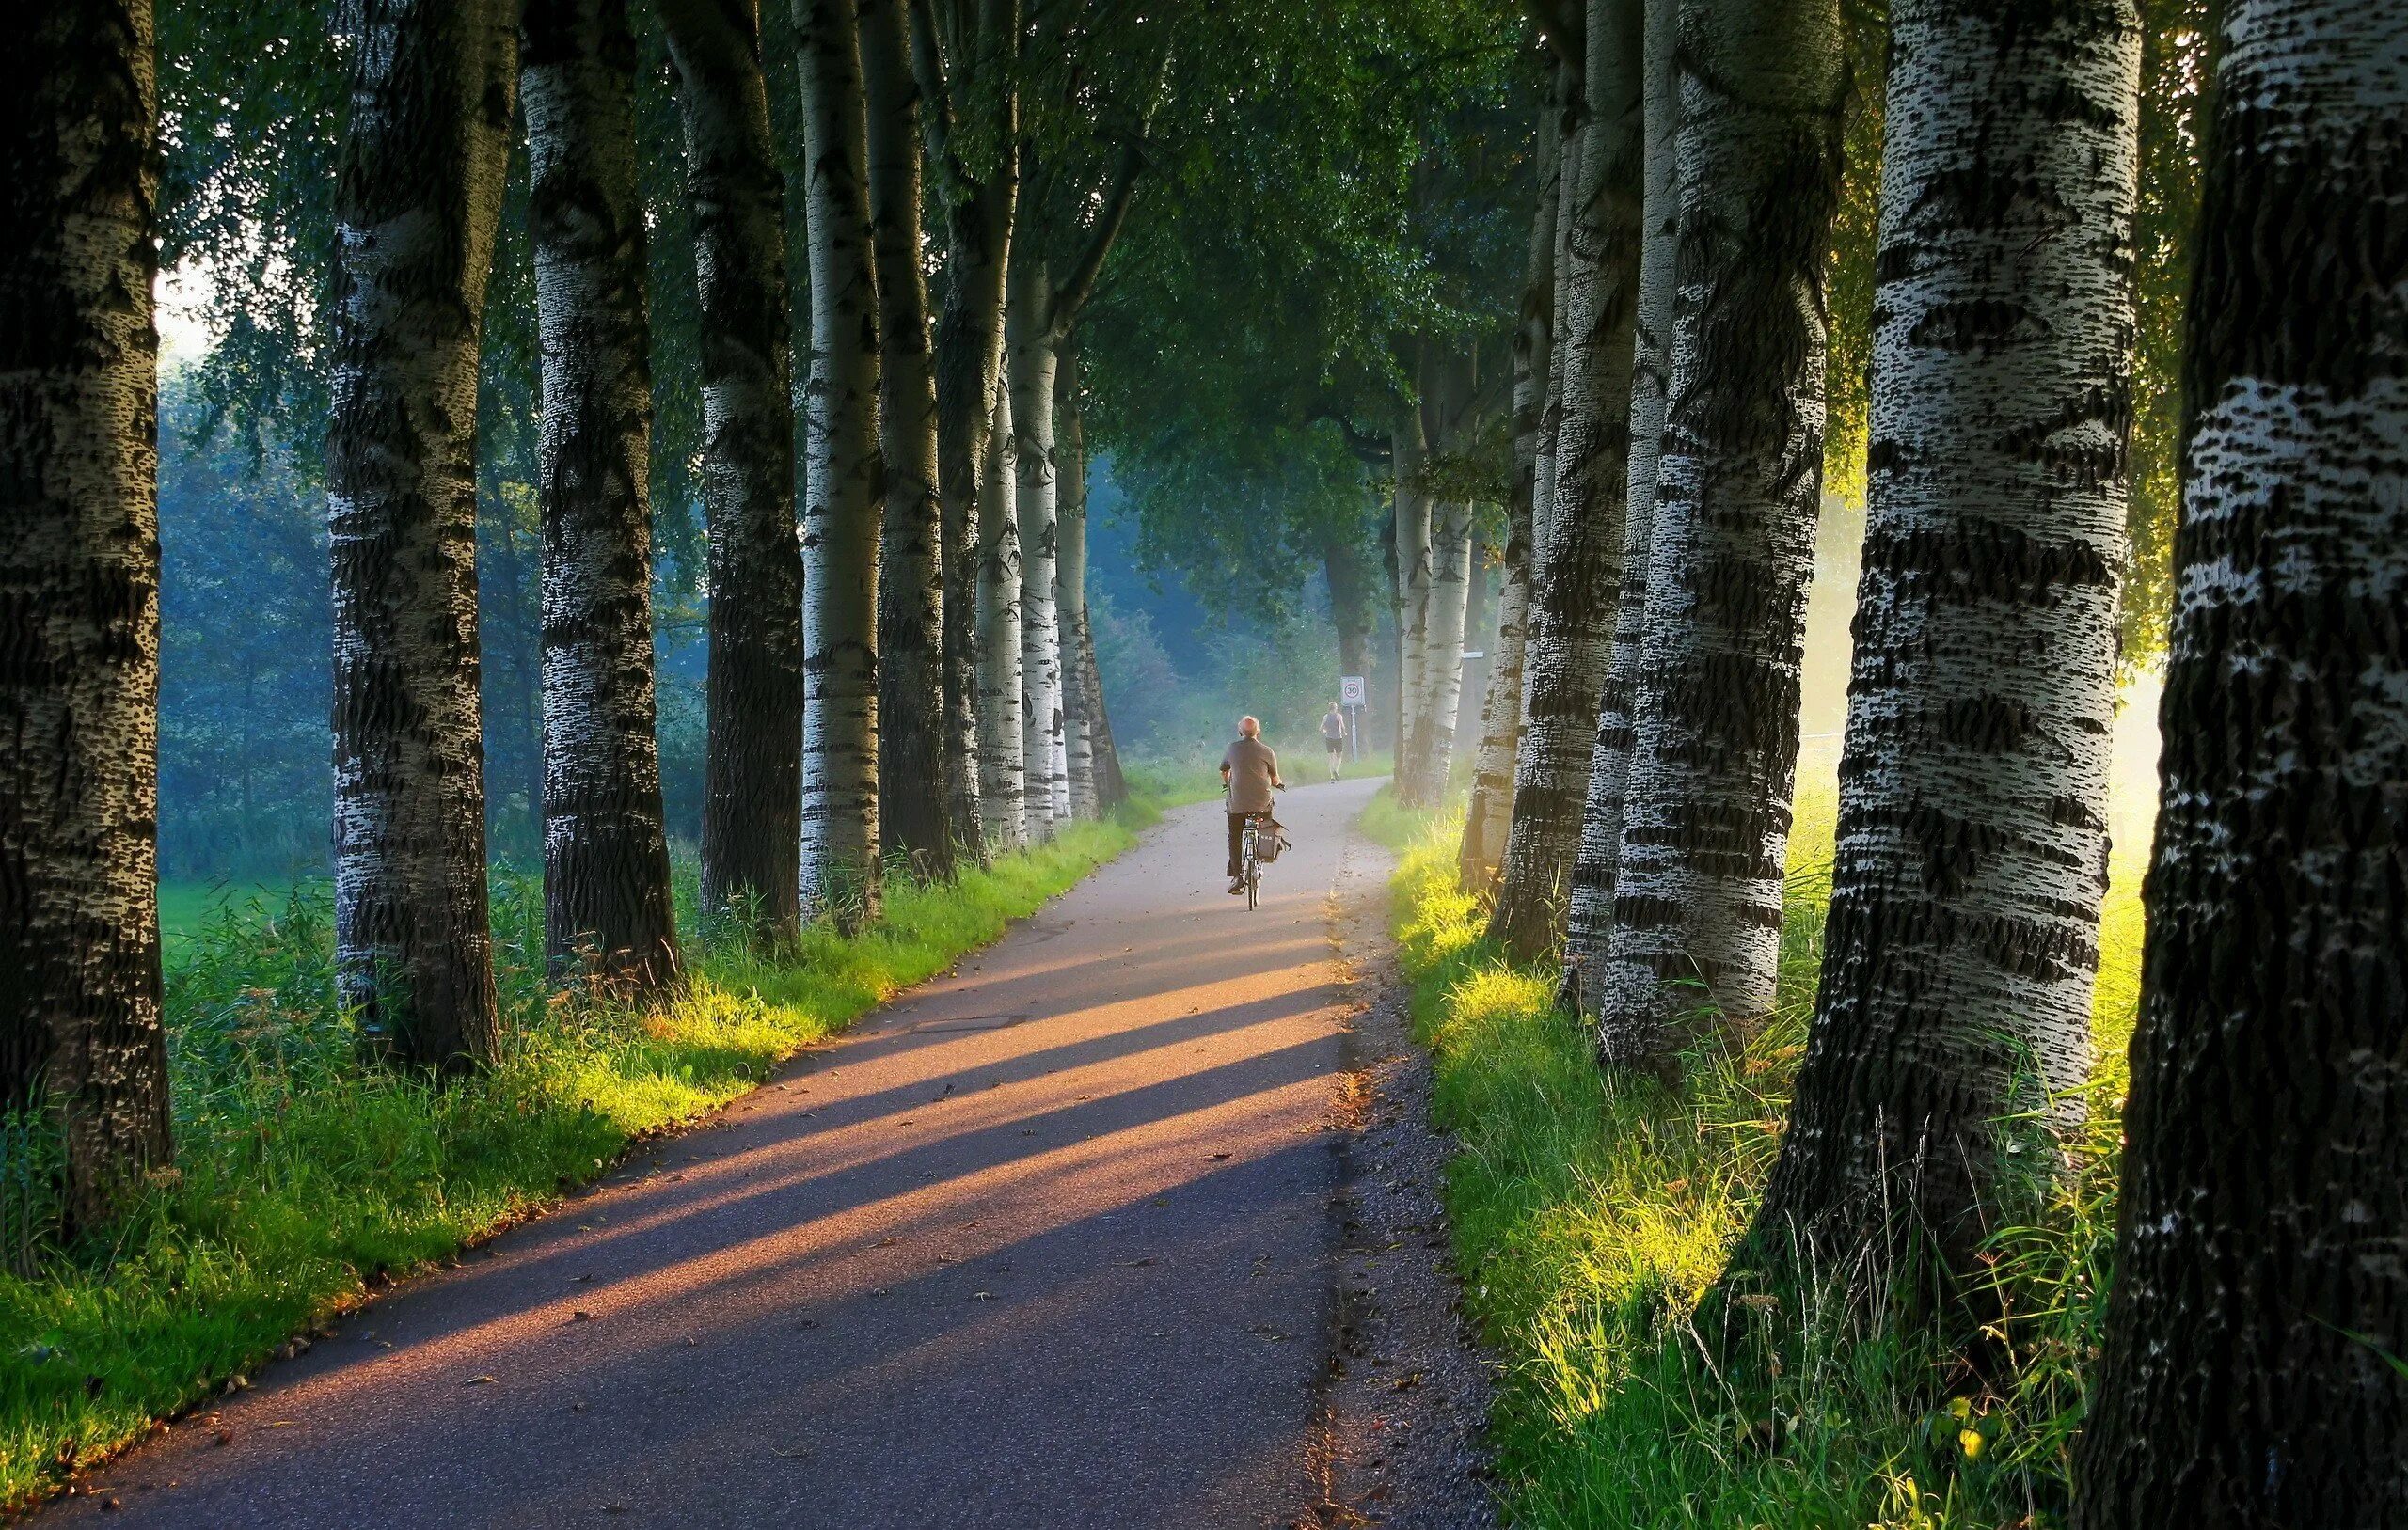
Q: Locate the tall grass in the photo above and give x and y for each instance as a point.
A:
(1590, 1217)
(305, 1178)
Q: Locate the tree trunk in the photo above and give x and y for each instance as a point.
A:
(416, 210)
(1442, 664)
(1002, 773)
(80, 1034)
(841, 517)
(1570, 180)
(1411, 528)
(1572, 598)
(1031, 364)
(1589, 923)
(2251, 1372)
(1490, 816)
(753, 766)
(1698, 894)
(970, 348)
(1963, 934)
(1111, 784)
(1082, 707)
(915, 810)
(606, 848)
(1350, 597)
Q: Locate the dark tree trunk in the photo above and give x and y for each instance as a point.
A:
(1963, 938)
(1572, 596)
(416, 210)
(914, 810)
(1081, 688)
(752, 766)
(2259, 1312)
(606, 849)
(1698, 891)
(843, 513)
(80, 1035)
(1409, 552)
(1349, 598)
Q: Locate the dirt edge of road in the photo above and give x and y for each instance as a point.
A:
(1398, 1436)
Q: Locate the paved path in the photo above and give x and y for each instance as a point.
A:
(1045, 1243)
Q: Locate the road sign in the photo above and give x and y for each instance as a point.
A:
(1351, 690)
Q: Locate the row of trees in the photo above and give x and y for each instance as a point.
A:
(1672, 373)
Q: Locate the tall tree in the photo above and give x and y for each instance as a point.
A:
(1096, 784)
(1588, 920)
(1489, 818)
(433, 94)
(1580, 574)
(1706, 827)
(1963, 935)
(80, 1035)
(2253, 1333)
(965, 57)
(842, 516)
(606, 849)
(1409, 561)
(1003, 775)
(753, 763)
(1039, 313)
(914, 803)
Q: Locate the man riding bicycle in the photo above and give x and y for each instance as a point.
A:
(1248, 772)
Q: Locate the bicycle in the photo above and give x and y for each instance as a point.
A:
(1251, 861)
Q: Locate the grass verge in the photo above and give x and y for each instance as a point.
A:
(1590, 1217)
(305, 1179)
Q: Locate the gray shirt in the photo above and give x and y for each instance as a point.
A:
(1333, 727)
(1252, 768)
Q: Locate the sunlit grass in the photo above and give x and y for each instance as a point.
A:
(1589, 1219)
(305, 1178)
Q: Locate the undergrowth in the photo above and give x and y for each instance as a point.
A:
(1588, 1217)
(305, 1178)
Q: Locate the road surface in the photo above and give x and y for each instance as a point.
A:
(1047, 1242)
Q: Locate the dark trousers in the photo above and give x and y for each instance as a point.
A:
(1237, 843)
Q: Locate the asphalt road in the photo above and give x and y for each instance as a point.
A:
(1045, 1243)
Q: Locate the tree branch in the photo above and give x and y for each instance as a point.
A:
(1073, 294)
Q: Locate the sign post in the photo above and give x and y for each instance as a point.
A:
(1351, 691)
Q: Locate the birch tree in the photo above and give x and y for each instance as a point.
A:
(2252, 1335)
(1002, 772)
(1409, 530)
(1490, 816)
(1094, 769)
(1706, 827)
(1588, 922)
(915, 801)
(753, 758)
(433, 93)
(1579, 569)
(1963, 934)
(80, 1032)
(842, 513)
(965, 56)
(1039, 313)
(606, 849)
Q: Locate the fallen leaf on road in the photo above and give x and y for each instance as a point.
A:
(982, 1296)
(580, 1316)
(478, 1380)
(1219, 1157)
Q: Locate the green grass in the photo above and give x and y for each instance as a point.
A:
(1589, 1218)
(1172, 783)
(305, 1178)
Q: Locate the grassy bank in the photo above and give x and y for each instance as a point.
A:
(304, 1178)
(1589, 1218)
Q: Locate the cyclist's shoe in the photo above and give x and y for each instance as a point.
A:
(1237, 887)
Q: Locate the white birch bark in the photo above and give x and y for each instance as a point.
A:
(80, 1016)
(1963, 934)
(605, 844)
(416, 210)
(1588, 922)
(1082, 700)
(1442, 666)
(842, 513)
(1031, 362)
(1698, 895)
(1572, 597)
(1410, 526)
(1001, 775)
